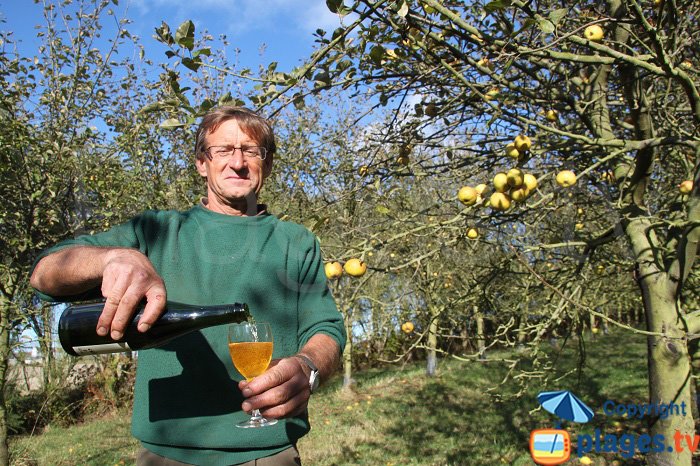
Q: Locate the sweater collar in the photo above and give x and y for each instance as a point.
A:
(261, 208)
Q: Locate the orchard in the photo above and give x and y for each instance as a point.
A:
(481, 176)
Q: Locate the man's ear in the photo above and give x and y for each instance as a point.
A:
(201, 166)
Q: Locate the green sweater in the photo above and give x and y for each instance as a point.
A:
(186, 399)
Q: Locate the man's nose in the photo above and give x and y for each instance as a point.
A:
(237, 161)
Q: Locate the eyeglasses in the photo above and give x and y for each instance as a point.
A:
(226, 152)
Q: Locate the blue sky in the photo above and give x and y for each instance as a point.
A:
(283, 28)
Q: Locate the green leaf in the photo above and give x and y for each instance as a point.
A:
(377, 54)
(334, 5)
(171, 123)
(163, 34)
(403, 11)
(496, 5)
(206, 105)
(337, 7)
(545, 25)
(152, 107)
(322, 78)
(338, 32)
(184, 35)
(382, 209)
(224, 99)
(205, 51)
(557, 15)
(298, 101)
(319, 223)
(191, 64)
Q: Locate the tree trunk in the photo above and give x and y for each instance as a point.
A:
(347, 351)
(481, 340)
(619, 312)
(46, 346)
(431, 364)
(5, 309)
(464, 336)
(521, 331)
(669, 375)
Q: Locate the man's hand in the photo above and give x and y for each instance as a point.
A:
(282, 391)
(127, 277)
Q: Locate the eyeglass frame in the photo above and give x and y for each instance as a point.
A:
(262, 149)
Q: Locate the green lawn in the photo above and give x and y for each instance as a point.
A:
(397, 416)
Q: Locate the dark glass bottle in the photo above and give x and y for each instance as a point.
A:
(77, 327)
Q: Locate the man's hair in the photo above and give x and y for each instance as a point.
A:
(252, 124)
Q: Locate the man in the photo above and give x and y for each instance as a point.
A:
(226, 249)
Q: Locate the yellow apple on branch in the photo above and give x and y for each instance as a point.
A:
(355, 267)
(530, 182)
(566, 178)
(499, 201)
(519, 194)
(515, 177)
(512, 152)
(467, 195)
(594, 33)
(333, 270)
(500, 182)
(522, 143)
(492, 94)
(686, 187)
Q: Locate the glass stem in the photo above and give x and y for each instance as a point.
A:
(255, 416)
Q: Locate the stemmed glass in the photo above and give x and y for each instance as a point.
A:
(250, 347)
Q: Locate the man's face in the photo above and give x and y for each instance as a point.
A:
(236, 179)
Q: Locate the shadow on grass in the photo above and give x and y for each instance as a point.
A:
(452, 419)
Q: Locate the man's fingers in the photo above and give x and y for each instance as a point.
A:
(278, 396)
(128, 277)
(125, 311)
(272, 377)
(113, 288)
(155, 305)
(292, 407)
(280, 391)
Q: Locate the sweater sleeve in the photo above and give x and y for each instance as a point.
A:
(125, 235)
(318, 312)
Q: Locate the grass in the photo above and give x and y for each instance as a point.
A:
(99, 442)
(398, 416)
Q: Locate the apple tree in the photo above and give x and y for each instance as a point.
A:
(606, 91)
(599, 102)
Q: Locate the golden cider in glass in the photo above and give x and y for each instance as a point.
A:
(250, 358)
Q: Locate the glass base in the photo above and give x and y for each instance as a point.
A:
(256, 420)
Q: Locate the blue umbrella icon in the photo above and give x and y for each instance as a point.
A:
(565, 405)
